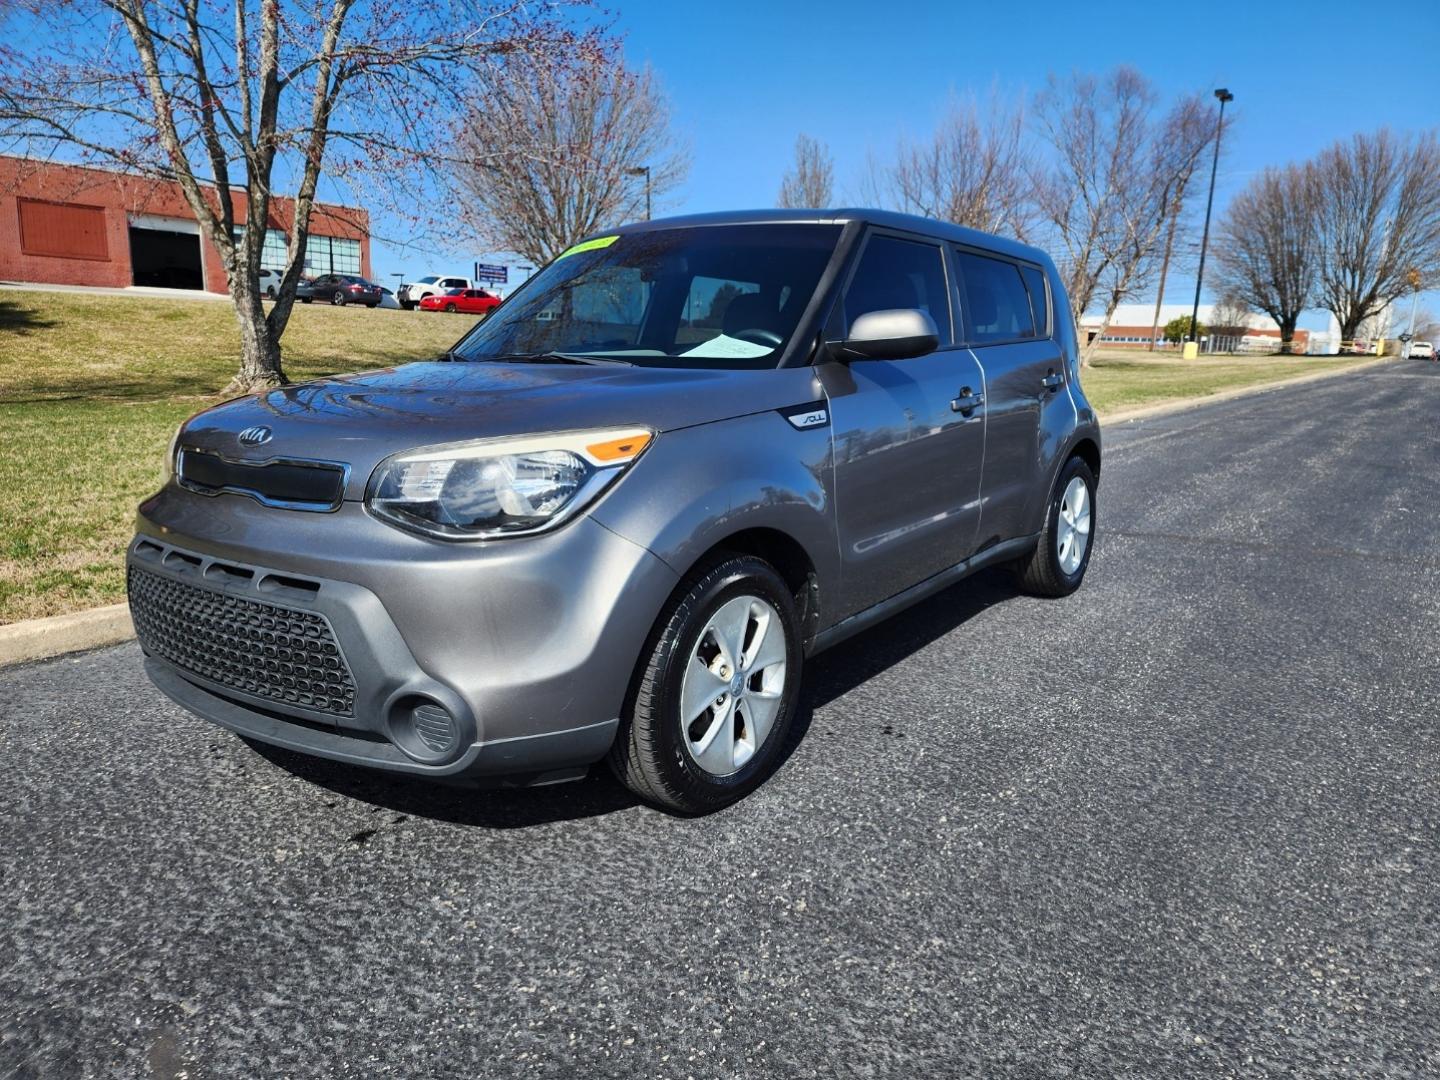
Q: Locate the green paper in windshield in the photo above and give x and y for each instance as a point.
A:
(588, 245)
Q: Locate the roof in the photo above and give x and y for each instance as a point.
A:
(840, 216)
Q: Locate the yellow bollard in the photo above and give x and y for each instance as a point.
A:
(1380, 347)
(1190, 351)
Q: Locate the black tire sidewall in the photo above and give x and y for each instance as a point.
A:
(338, 299)
(741, 577)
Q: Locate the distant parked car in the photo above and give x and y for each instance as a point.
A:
(270, 283)
(469, 301)
(341, 289)
(387, 299)
(1422, 350)
(412, 292)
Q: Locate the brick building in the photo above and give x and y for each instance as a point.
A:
(76, 225)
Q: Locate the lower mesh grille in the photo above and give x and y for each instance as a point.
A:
(282, 654)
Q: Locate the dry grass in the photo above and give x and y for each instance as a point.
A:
(1120, 380)
(92, 386)
(91, 389)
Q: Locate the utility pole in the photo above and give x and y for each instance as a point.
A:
(1413, 279)
(1223, 95)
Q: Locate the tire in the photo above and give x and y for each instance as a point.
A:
(1044, 571)
(655, 754)
(450, 309)
(371, 306)
(337, 298)
(270, 292)
(407, 305)
(306, 299)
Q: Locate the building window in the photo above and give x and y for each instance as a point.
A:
(62, 230)
(272, 252)
(332, 255)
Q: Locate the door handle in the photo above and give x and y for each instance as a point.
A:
(967, 402)
(1052, 381)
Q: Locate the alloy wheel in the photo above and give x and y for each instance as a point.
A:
(733, 685)
(1072, 533)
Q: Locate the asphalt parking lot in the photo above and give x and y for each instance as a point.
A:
(1184, 823)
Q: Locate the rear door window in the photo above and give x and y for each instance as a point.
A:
(998, 304)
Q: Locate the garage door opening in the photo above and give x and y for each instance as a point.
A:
(170, 260)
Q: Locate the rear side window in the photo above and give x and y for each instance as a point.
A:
(895, 273)
(999, 304)
(1039, 298)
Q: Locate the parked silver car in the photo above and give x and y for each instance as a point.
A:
(614, 521)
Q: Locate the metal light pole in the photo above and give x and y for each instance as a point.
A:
(1223, 95)
(643, 170)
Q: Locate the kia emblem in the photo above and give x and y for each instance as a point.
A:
(255, 436)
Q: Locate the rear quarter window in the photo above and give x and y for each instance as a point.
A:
(1039, 298)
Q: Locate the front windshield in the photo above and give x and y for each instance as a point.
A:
(720, 296)
(431, 280)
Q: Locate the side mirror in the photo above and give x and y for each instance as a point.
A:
(896, 334)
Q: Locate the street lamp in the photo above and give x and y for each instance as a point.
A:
(1223, 96)
(643, 170)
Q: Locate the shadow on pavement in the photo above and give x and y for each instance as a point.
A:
(827, 677)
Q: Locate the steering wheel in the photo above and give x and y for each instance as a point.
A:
(767, 338)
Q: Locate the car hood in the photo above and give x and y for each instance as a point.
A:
(362, 419)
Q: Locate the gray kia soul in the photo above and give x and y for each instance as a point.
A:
(616, 518)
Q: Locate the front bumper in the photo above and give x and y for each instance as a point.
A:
(526, 647)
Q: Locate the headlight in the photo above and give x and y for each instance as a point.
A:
(167, 471)
(501, 487)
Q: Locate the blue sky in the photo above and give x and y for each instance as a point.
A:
(745, 77)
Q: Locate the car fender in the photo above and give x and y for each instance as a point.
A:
(697, 486)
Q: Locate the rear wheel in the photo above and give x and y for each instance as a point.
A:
(1057, 565)
(337, 298)
(715, 695)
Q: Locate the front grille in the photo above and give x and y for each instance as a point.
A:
(279, 653)
(297, 485)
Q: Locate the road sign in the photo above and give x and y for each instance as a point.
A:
(495, 273)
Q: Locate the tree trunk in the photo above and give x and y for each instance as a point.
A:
(1287, 336)
(1350, 327)
(1164, 272)
(259, 347)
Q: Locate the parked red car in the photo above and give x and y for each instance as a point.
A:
(470, 301)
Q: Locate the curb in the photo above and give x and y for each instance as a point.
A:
(39, 639)
(1167, 408)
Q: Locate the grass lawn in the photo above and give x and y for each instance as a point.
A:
(1120, 380)
(92, 387)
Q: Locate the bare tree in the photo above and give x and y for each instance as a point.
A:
(1116, 177)
(1267, 246)
(559, 152)
(973, 171)
(810, 182)
(240, 98)
(1378, 214)
(1230, 317)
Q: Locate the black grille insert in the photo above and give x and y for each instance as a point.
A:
(309, 485)
(271, 651)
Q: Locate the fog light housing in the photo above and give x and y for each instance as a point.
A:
(424, 729)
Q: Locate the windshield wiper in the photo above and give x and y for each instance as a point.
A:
(551, 357)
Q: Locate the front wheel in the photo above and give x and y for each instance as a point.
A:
(306, 299)
(1057, 565)
(711, 707)
(450, 308)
